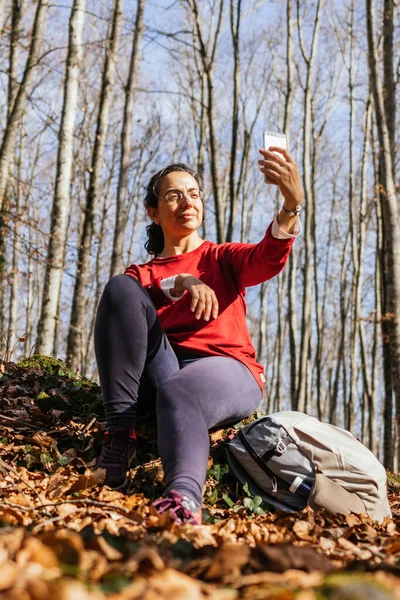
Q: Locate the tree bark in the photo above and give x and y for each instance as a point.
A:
(389, 199)
(55, 255)
(292, 293)
(15, 116)
(207, 53)
(308, 202)
(75, 342)
(126, 143)
(233, 189)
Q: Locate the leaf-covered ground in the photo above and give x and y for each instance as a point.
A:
(65, 536)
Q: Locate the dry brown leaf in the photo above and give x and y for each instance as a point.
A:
(69, 589)
(391, 528)
(199, 536)
(146, 560)
(34, 551)
(107, 495)
(11, 541)
(60, 483)
(217, 436)
(88, 480)
(326, 544)
(67, 545)
(302, 529)
(393, 548)
(8, 575)
(228, 562)
(109, 551)
(352, 520)
(174, 585)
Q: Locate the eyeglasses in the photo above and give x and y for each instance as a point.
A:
(176, 196)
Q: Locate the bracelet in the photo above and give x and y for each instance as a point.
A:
(292, 213)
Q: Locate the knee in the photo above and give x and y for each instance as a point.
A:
(121, 287)
(176, 393)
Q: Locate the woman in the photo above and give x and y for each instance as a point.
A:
(173, 331)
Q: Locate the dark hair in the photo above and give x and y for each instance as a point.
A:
(155, 243)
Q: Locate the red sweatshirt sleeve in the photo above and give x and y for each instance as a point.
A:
(150, 284)
(252, 264)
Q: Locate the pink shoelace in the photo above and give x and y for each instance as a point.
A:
(174, 503)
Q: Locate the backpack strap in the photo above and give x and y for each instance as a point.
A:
(260, 462)
(279, 449)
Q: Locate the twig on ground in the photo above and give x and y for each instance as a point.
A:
(17, 421)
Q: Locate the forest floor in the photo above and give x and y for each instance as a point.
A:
(65, 536)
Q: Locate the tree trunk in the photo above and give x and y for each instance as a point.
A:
(126, 142)
(75, 343)
(388, 195)
(307, 183)
(233, 189)
(15, 115)
(292, 293)
(55, 255)
(207, 56)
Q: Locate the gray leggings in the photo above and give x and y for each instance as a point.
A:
(139, 372)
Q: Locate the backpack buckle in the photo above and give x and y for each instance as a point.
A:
(280, 448)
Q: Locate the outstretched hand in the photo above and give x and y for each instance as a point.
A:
(283, 172)
(204, 301)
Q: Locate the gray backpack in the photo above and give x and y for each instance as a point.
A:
(292, 460)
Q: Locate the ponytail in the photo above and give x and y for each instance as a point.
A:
(155, 242)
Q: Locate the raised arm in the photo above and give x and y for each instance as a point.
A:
(281, 170)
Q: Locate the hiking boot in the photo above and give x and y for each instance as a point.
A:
(116, 455)
(181, 508)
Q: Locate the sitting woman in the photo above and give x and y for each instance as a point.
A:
(172, 333)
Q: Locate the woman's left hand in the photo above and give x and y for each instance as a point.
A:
(283, 172)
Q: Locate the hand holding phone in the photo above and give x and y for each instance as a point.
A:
(283, 172)
(274, 139)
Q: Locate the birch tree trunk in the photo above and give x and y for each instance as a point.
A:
(368, 372)
(354, 238)
(16, 250)
(388, 194)
(15, 115)
(207, 52)
(14, 53)
(233, 189)
(5, 211)
(55, 254)
(126, 143)
(75, 343)
(292, 294)
(307, 184)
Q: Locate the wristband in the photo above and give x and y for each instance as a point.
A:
(292, 213)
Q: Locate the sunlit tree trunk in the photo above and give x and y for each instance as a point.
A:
(55, 255)
(367, 370)
(308, 202)
(235, 14)
(126, 143)
(206, 49)
(388, 195)
(18, 108)
(75, 343)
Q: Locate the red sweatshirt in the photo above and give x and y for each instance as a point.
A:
(228, 269)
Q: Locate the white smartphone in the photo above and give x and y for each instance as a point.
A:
(274, 139)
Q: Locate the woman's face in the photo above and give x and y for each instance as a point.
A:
(180, 209)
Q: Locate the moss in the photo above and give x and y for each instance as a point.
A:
(48, 364)
(353, 586)
(393, 482)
